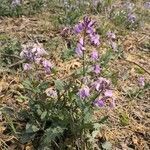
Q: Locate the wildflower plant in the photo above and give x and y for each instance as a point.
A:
(60, 113)
(17, 8)
(126, 16)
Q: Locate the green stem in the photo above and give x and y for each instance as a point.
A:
(84, 35)
(83, 64)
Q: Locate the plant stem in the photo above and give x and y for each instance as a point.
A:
(84, 35)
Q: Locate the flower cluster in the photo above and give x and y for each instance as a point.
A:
(99, 87)
(129, 6)
(88, 33)
(94, 85)
(111, 39)
(131, 17)
(15, 3)
(34, 55)
(147, 5)
(95, 57)
(141, 81)
(86, 29)
(51, 93)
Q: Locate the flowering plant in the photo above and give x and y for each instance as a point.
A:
(60, 113)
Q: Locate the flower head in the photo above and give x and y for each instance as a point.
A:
(15, 3)
(131, 18)
(97, 69)
(51, 93)
(99, 102)
(101, 84)
(94, 55)
(108, 93)
(47, 65)
(147, 5)
(80, 48)
(95, 39)
(38, 51)
(31, 53)
(87, 24)
(129, 6)
(27, 67)
(141, 81)
(84, 92)
(79, 28)
(111, 35)
(26, 54)
(114, 45)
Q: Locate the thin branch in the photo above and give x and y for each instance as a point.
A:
(138, 66)
(15, 56)
(16, 64)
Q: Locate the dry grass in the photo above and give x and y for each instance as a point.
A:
(135, 134)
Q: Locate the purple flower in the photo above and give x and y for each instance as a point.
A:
(90, 30)
(81, 41)
(101, 84)
(80, 48)
(113, 45)
(27, 67)
(131, 18)
(84, 92)
(38, 60)
(26, 54)
(95, 39)
(15, 3)
(111, 35)
(99, 102)
(141, 81)
(94, 55)
(129, 6)
(108, 93)
(38, 51)
(47, 65)
(51, 93)
(87, 25)
(97, 69)
(79, 28)
(147, 5)
(90, 27)
(31, 53)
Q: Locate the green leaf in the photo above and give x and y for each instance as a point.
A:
(139, 70)
(51, 134)
(31, 128)
(124, 119)
(87, 115)
(43, 115)
(59, 85)
(26, 137)
(35, 128)
(103, 119)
